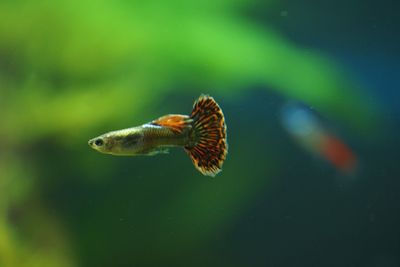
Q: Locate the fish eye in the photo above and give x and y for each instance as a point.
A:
(99, 142)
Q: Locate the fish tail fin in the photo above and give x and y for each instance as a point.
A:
(208, 146)
(339, 154)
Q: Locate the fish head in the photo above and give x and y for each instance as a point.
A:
(122, 142)
(103, 143)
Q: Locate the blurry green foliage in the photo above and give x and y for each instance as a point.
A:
(70, 68)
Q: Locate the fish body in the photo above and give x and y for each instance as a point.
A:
(146, 139)
(308, 130)
(202, 134)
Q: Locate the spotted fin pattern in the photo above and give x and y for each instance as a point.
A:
(209, 146)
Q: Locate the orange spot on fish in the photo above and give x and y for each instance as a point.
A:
(338, 153)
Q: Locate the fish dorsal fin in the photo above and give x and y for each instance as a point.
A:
(177, 123)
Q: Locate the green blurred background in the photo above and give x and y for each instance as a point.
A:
(71, 70)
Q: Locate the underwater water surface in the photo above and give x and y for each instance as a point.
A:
(309, 91)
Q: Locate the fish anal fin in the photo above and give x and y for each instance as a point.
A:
(157, 151)
(177, 123)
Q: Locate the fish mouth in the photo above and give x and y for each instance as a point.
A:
(91, 142)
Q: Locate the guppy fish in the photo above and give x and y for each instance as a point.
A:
(202, 134)
(309, 131)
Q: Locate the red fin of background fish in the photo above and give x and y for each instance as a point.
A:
(175, 122)
(210, 147)
(339, 154)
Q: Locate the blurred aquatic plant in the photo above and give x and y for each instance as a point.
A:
(67, 67)
(152, 46)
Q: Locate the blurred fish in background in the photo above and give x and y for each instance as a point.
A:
(308, 130)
